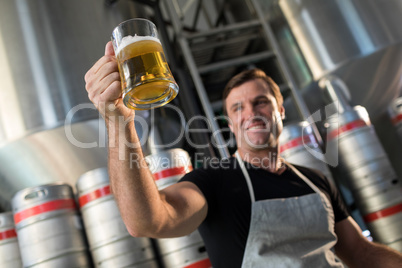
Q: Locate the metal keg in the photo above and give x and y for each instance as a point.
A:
(49, 227)
(299, 146)
(168, 245)
(167, 168)
(9, 251)
(369, 175)
(194, 256)
(182, 250)
(385, 224)
(110, 243)
(395, 113)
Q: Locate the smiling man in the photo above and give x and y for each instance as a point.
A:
(253, 210)
(253, 104)
(264, 212)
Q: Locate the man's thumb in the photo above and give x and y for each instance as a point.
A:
(109, 49)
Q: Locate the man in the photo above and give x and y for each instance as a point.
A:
(252, 211)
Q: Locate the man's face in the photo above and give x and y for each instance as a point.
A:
(254, 115)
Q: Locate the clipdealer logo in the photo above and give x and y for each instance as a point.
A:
(329, 152)
(145, 122)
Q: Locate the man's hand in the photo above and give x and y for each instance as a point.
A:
(104, 87)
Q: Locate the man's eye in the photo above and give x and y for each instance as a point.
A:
(237, 108)
(261, 102)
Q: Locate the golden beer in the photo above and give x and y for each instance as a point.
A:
(145, 74)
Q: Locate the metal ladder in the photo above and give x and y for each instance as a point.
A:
(184, 41)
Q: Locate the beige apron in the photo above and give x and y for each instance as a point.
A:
(290, 232)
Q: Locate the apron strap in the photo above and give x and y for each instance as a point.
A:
(246, 176)
(250, 185)
(304, 178)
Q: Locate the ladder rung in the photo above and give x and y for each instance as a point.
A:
(233, 27)
(237, 61)
(214, 44)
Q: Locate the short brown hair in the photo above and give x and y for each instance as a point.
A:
(249, 75)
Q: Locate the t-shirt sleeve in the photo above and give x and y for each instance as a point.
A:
(204, 180)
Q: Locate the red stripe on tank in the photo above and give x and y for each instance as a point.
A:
(299, 141)
(383, 213)
(43, 208)
(397, 119)
(7, 234)
(346, 128)
(98, 193)
(200, 264)
(171, 172)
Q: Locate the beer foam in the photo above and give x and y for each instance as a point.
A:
(129, 39)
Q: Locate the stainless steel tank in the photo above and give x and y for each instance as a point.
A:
(395, 114)
(110, 243)
(367, 171)
(49, 229)
(299, 146)
(46, 47)
(190, 257)
(49, 130)
(184, 252)
(167, 168)
(50, 156)
(10, 256)
(360, 41)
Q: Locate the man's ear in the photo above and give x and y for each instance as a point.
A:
(282, 112)
(231, 127)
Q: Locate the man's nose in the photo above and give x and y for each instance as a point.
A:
(250, 112)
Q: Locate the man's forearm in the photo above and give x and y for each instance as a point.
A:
(377, 255)
(131, 181)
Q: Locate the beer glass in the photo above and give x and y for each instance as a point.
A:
(147, 81)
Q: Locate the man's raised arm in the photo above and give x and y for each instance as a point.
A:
(177, 210)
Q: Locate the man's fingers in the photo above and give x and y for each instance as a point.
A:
(107, 69)
(98, 83)
(101, 82)
(108, 60)
(103, 68)
(104, 86)
(109, 80)
(96, 67)
(109, 51)
(112, 92)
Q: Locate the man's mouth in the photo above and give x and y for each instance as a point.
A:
(256, 126)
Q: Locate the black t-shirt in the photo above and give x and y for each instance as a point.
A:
(226, 226)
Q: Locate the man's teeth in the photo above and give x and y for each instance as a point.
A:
(256, 127)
